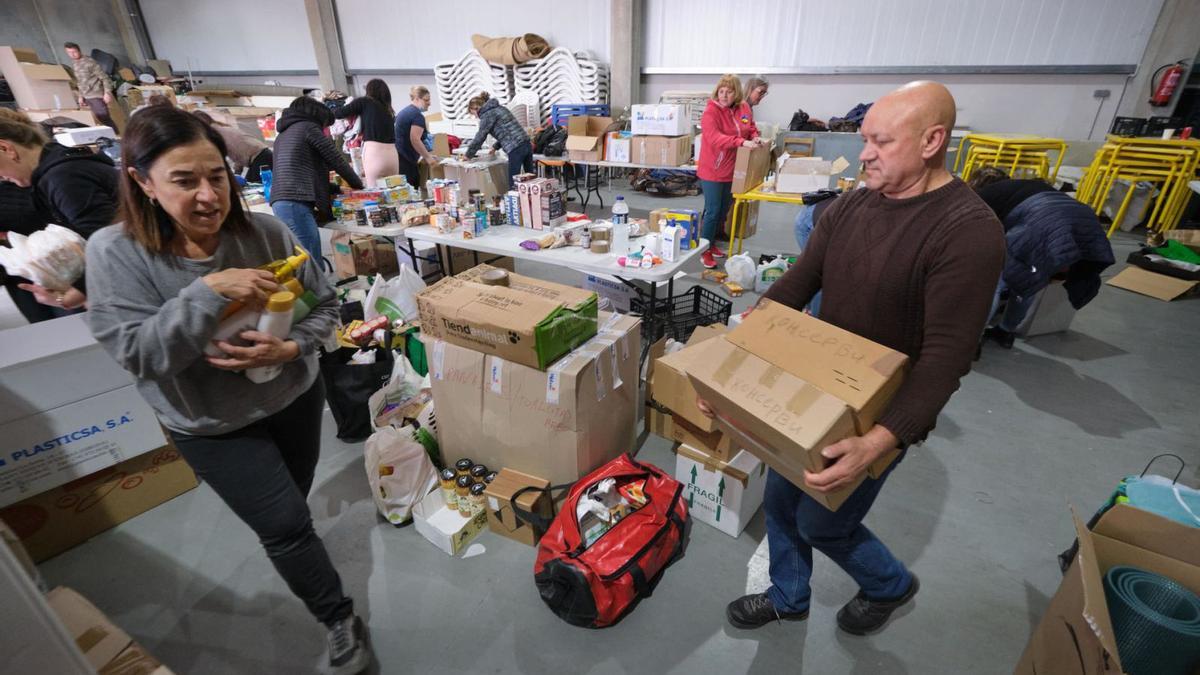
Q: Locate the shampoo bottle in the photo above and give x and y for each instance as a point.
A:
(276, 320)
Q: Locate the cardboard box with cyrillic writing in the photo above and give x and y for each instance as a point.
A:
(502, 519)
(556, 424)
(785, 385)
(661, 150)
(668, 380)
(529, 321)
(68, 515)
(446, 528)
(108, 649)
(1076, 633)
(723, 493)
(585, 137)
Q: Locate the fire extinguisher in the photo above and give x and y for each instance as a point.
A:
(1166, 85)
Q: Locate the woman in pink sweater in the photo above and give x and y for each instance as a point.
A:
(727, 125)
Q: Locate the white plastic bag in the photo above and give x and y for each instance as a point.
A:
(52, 257)
(741, 270)
(399, 471)
(395, 298)
(768, 272)
(403, 397)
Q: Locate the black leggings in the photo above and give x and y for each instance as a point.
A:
(264, 472)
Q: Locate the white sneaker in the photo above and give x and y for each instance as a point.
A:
(349, 648)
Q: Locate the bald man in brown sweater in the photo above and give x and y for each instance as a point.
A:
(910, 262)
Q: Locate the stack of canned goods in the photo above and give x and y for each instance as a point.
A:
(463, 486)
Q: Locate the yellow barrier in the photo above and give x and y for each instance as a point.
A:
(1167, 164)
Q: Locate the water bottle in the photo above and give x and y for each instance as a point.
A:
(620, 222)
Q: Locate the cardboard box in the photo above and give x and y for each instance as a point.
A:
(108, 649)
(490, 178)
(68, 515)
(343, 254)
(805, 174)
(81, 116)
(1189, 238)
(712, 443)
(558, 424)
(503, 520)
(617, 147)
(529, 321)
(657, 219)
(661, 150)
(786, 385)
(660, 119)
(668, 383)
(618, 294)
(141, 94)
(1155, 285)
(446, 529)
(750, 168)
(585, 137)
(723, 493)
(1075, 634)
(36, 86)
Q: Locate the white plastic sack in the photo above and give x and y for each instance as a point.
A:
(741, 270)
(52, 257)
(401, 398)
(399, 471)
(767, 273)
(395, 298)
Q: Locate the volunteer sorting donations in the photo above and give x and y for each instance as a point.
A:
(922, 286)
(410, 134)
(160, 283)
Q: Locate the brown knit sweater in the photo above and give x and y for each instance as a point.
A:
(916, 275)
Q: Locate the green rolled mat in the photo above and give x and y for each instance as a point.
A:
(1156, 622)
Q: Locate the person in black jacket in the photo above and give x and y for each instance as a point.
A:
(374, 110)
(1048, 234)
(304, 156)
(71, 187)
(496, 120)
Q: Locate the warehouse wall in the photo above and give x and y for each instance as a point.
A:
(1053, 105)
(45, 25)
(1177, 36)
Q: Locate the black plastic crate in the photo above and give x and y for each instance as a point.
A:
(1128, 126)
(679, 315)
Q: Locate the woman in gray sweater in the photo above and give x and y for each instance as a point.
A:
(159, 283)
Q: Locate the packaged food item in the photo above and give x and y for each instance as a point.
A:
(600, 246)
(489, 478)
(714, 275)
(733, 288)
(362, 334)
(476, 499)
(448, 479)
(462, 490)
(463, 466)
(478, 472)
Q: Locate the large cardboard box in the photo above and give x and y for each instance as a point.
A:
(68, 515)
(661, 150)
(108, 649)
(558, 424)
(490, 178)
(619, 295)
(668, 383)
(805, 174)
(660, 119)
(750, 168)
(529, 321)
(585, 137)
(785, 385)
(36, 86)
(67, 409)
(1075, 634)
(723, 493)
(502, 519)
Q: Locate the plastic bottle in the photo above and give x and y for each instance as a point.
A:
(620, 211)
(306, 302)
(275, 320)
(243, 319)
(620, 222)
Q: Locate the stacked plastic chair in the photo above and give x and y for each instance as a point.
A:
(524, 107)
(459, 81)
(563, 77)
(1168, 164)
(1019, 155)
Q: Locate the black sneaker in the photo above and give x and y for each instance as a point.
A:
(861, 616)
(753, 611)
(1000, 336)
(349, 650)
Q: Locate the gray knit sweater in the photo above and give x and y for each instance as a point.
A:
(154, 314)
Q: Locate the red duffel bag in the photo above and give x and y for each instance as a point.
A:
(592, 575)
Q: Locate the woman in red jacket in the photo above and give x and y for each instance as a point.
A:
(727, 124)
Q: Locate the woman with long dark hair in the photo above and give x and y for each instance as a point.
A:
(378, 130)
(159, 283)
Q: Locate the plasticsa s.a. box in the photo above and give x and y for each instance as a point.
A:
(785, 385)
(529, 321)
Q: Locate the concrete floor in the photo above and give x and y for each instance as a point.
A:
(979, 512)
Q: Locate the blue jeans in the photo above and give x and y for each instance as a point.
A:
(804, 228)
(718, 198)
(1014, 311)
(520, 160)
(796, 524)
(298, 216)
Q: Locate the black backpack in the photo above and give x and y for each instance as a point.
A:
(551, 141)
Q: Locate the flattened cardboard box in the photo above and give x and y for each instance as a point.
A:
(502, 519)
(1075, 634)
(1149, 283)
(529, 321)
(558, 424)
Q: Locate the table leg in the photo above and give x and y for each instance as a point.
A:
(735, 246)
